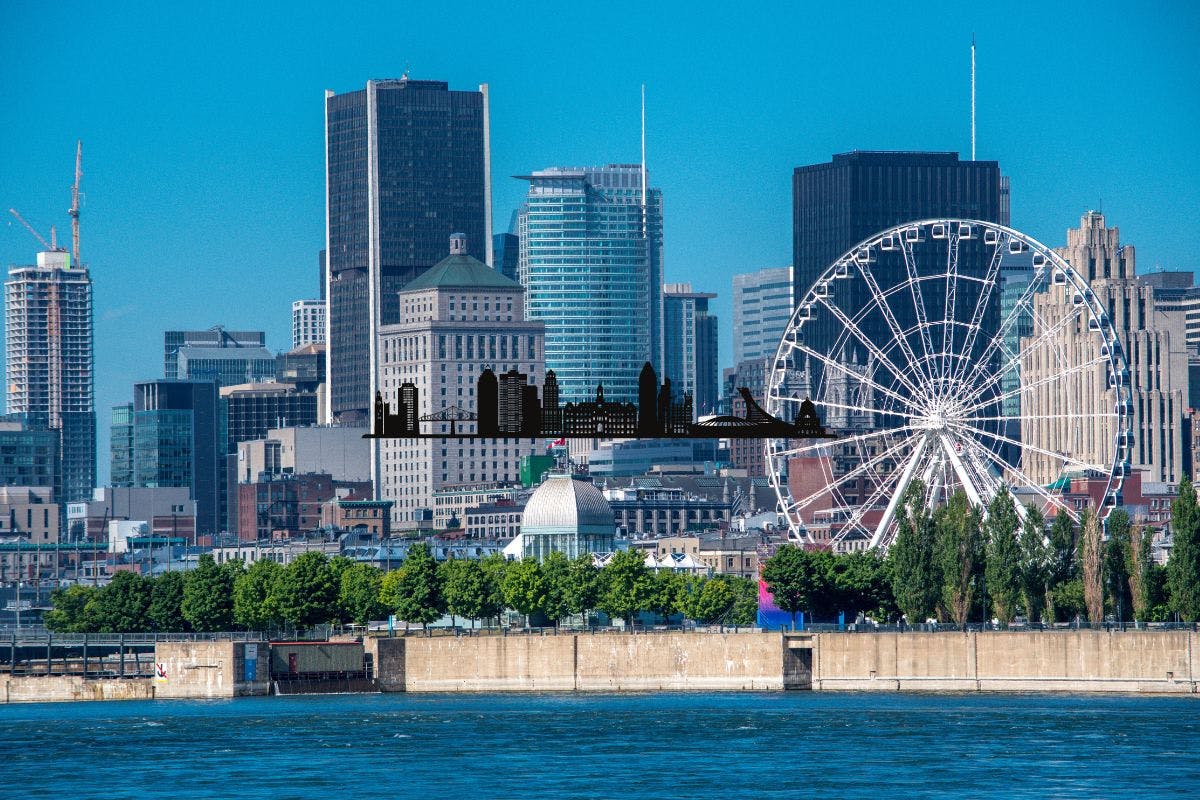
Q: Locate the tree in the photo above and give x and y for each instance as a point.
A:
(1063, 564)
(464, 588)
(255, 597)
(583, 584)
(166, 602)
(1137, 567)
(626, 585)
(744, 610)
(494, 567)
(358, 592)
(307, 592)
(556, 572)
(860, 582)
(1115, 557)
(123, 606)
(960, 550)
(791, 578)
(525, 587)
(71, 612)
(1183, 567)
(208, 597)
(664, 599)
(1002, 573)
(1034, 563)
(1091, 562)
(413, 590)
(715, 601)
(916, 579)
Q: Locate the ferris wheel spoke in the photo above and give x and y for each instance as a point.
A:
(1058, 376)
(981, 304)
(1038, 490)
(898, 492)
(1063, 457)
(880, 300)
(869, 343)
(888, 453)
(950, 302)
(830, 362)
(918, 298)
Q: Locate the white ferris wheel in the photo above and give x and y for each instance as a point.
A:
(959, 353)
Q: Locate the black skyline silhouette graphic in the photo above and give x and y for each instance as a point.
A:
(509, 406)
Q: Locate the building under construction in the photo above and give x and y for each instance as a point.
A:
(48, 333)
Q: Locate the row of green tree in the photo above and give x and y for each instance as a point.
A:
(314, 589)
(956, 564)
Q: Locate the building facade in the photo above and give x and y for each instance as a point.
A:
(168, 511)
(308, 322)
(29, 514)
(407, 164)
(461, 318)
(252, 409)
(591, 264)
(48, 360)
(214, 337)
(29, 454)
(284, 506)
(690, 346)
(762, 307)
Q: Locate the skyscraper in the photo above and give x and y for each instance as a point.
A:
(215, 337)
(407, 164)
(48, 335)
(690, 345)
(308, 322)
(762, 306)
(591, 264)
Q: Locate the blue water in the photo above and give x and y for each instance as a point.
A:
(633, 747)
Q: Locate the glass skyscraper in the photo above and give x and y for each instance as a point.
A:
(407, 164)
(690, 346)
(591, 264)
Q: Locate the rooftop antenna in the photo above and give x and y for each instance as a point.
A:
(972, 96)
(644, 161)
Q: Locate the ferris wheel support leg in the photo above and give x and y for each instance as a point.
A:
(898, 493)
(960, 469)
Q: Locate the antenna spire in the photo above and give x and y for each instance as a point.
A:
(972, 96)
(644, 226)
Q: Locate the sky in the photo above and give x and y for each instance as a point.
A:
(203, 133)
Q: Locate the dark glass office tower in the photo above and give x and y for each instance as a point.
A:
(838, 204)
(407, 164)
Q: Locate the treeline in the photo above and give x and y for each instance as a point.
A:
(315, 589)
(956, 564)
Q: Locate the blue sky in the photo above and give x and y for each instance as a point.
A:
(203, 151)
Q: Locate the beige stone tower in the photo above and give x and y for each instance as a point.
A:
(1155, 346)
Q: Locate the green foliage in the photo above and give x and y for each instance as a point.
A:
(358, 591)
(667, 585)
(1002, 572)
(413, 590)
(1137, 568)
(256, 598)
(70, 612)
(626, 586)
(791, 575)
(715, 600)
(1158, 594)
(1183, 568)
(1063, 564)
(583, 584)
(524, 587)
(916, 575)
(1116, 564)
(1068, 600)
(123, 606)
(556, 572)
(1035, 564)
(960, 551)
(208, 596)
(494, 568)
(745, 602)
(307, 591)
(464, 588)
(858, 582)
(166, 602)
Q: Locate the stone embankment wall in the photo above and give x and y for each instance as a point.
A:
(211, 669)
(1050, 661)
(56, 688)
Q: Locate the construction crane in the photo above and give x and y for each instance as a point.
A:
(50, 245)
(74, 210)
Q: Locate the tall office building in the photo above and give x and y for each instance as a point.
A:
(506, 250)
(690, 346)
(1176, 291)
(460, 319)
(407, 164)
(48, 336)
(214, 337)
(762, 307)
(591, 263)
(29, 454)
(1155, 344)
(308, 322)
(176, 438)
(838, 204)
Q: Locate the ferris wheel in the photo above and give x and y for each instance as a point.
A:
(958, 353)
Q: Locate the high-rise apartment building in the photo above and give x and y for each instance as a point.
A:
(176, 438)
(838, 204)
(215, 337)
(48, 337)
(407, 164)
(591, 264)
(1155, 346)
(762, 307)
(690, 346)
(460, 318)
(308, 322)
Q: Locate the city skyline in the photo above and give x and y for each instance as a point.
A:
(152, 172)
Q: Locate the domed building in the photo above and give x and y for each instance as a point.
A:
(566, 516)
